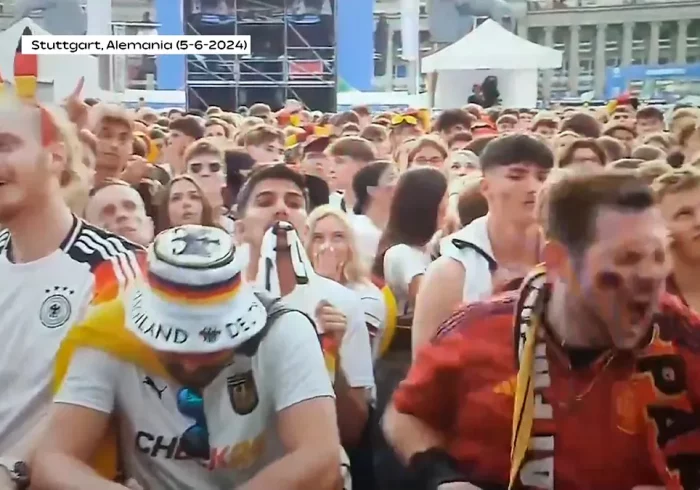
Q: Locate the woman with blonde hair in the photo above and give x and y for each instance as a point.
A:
(461, 163)
(76, 180)
(332, 249)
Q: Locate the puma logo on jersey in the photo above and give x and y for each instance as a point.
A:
(148, 381)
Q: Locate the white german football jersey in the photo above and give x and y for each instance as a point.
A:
(39, 302)
(240, 408)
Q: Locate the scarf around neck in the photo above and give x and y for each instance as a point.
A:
(668, 418)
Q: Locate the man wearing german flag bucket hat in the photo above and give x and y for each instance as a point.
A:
(206, 383)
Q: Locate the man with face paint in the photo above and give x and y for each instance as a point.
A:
(214, 385)
(587, 377)
(492, 249)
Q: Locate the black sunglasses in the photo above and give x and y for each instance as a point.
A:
(214, 167)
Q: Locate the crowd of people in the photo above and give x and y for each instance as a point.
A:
(477, 298)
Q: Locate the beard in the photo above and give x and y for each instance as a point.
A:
(198, 379)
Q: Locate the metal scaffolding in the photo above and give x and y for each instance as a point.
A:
(292, 47)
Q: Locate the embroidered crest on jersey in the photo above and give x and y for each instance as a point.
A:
(242, 392)
(56, 309)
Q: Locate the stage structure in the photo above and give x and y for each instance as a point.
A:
(293, 53)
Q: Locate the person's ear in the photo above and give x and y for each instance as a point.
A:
(484, 186)
(57, 160)
(560, 266)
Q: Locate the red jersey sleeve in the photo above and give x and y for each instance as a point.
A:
(675, 417)
(431, 387)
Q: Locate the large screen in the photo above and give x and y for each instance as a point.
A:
(292, 49)
(244, 7)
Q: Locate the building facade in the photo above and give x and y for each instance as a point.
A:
(132, 17)
(596, 36)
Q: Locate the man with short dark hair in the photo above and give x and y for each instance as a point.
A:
(650, 119)
(348, 155)
(494, 248)
(606, 363)
(183, 132)
(452, 121)
(272, 218)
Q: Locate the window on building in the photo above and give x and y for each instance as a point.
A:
(612, 45)
(586, 67)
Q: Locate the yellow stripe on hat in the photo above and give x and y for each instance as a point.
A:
(26, 86)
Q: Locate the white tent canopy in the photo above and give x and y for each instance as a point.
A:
(491, 47)
(489, 50)
(59, 72)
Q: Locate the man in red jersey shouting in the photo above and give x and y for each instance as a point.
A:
(585, 378)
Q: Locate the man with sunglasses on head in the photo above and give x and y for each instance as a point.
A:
(205, 161)
(210, 384)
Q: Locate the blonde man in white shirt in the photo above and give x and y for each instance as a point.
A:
(53, 267)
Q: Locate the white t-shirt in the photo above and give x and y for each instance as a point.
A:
(337, 200)
(39, 302)
(241, 407)
(402, 263)
(355, 350)
(367, 237)
(228, 224)
(375, 312)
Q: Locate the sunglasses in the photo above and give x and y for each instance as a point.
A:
(195, 440)
(196, 168)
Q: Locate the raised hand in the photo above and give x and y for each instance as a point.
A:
(331, 321)
(326, 263)
(76, 107)
(136, 169)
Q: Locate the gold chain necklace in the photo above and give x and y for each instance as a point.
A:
(575, 398)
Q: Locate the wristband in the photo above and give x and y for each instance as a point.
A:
(434, 467)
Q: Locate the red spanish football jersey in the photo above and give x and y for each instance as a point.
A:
(614, 423)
